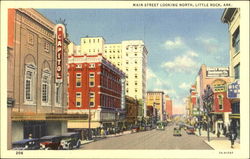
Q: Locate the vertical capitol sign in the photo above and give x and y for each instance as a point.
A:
(59, 31)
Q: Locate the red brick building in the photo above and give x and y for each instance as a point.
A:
(95, 87)
(169, 107)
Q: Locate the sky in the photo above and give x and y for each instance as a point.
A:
(178, 41)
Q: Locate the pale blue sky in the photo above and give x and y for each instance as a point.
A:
(178, 40)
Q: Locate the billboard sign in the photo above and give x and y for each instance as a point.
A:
(217, 72)
(60, 34)
(233, 90)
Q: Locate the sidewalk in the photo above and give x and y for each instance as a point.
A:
(97, 138)
(221, 143)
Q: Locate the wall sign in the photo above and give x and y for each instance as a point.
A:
(217, 72)
(60, 34)
(234, 89)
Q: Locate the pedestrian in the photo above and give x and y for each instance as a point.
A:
(218, 133)
(232, 137)
(30, 136)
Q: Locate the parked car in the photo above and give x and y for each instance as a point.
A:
(26, 144)
(135, 128)
(50, 142)
(160, 126)
(70, 140)
(177, 131)
(190, 130)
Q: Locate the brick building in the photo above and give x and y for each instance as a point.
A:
(169, 107)
(96, 87)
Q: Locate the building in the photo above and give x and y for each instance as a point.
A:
(132, 106)
(156, 102)
(216, 78)
(96, 87)
(231, 16)
(129, 56)
(168, 107)
(37, 101)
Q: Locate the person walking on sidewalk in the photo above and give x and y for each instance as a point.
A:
(232, 137)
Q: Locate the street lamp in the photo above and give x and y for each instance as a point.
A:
(89, 118)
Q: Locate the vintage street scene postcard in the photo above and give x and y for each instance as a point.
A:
(130, 79)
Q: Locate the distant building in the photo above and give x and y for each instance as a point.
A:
(169, 107)
(132, 106)
(231, 16)
(156, 104)
(96, 86)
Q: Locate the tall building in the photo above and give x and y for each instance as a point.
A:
(156, 102)
(130, 57)
(231, 16)
(169, 106)
(96, 87)
(37, 76)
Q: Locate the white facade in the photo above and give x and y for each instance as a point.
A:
(92, 45)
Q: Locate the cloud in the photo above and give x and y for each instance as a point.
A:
(183, 63)
(150, 74)
(177, 43)
(210, 44)
(184, 85)
(192, 53)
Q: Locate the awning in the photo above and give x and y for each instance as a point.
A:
(234, 116)
(16, 116)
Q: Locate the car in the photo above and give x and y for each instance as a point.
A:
(190, 130)
(70, 140)
(50, 142)
(160, 126)
(177, 131)
(26, 144)
(135, 128)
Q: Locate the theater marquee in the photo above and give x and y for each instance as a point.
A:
(60, 34)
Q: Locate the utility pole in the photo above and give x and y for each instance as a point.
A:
(208, 103)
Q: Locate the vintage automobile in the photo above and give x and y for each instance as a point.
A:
(70, 140)
(26, 144)
(160, 126)
(190, 130)
(177, 131)
(50, 142)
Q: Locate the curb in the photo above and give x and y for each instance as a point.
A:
(208, 144)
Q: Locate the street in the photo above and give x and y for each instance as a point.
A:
(153, 139)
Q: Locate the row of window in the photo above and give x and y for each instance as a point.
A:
(91, 79)
(46, 44)
(111, 102)
(30, 87)
(79, 99)
(91, 41)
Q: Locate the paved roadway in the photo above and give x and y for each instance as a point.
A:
(153, 139)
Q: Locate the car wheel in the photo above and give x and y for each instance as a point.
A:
(78, 144)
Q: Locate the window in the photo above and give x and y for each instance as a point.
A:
(135, 68)
(78, 79)
(29, 83)
(45, 86)
(46, 46)
(31, 39)
(136, 76)
(78, 99)
(91, 99)
(92, 79)
(135, 62)
(92, 65)
(220, 101)
(237, 71)
(93, 40)
(126, 62)
(135, 54)
(236, 40)
(79, 66)
(136, 83)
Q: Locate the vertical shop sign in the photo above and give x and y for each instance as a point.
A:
(60, 34)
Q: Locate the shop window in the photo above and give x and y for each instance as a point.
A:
(91, 99)
(92, 79)
(220, 101)
(237, 71)
(45, 87)
(78, 99)
(78, 79)
(236, 40)
(30, 71)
